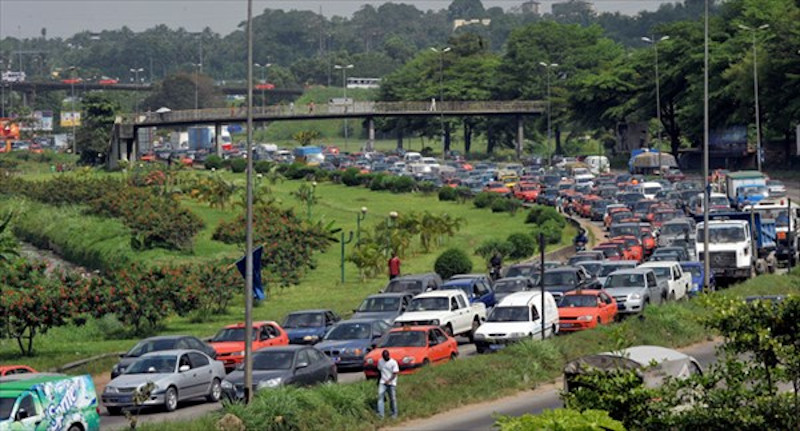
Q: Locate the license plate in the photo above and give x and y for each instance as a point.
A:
(497, 346)
(567, 325)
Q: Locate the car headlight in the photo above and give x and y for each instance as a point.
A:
(119, 369)
(310, 338)
(635, 296)
(435, 322)
(516, 335)
(479, 336)
(585, 318)
(271, 383)
(227, 385)
(408, 360)
(370, 361)
(357, 352)
(238, 353)
(111, 390)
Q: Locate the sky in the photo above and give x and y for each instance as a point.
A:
(63, 18)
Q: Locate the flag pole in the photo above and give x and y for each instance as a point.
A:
(248, 292)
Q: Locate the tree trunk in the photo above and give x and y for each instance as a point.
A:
(557, 131)
(467, 137)
(671, 127)
(399, 132)
(490, 140)
(446, 148)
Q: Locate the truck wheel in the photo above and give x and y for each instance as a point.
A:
(75, 427)
(448, 329)
(475, 325)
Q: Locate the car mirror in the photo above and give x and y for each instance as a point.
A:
(373, 345)
(302, 365)
(21, 414)
(184, 368)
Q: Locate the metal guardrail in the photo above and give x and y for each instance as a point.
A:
(338, 109)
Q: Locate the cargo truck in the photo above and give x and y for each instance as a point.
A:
(741, 244)
(741, 187)
(787, 226)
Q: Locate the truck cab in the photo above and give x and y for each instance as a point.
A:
(741, 245)
(787, 226)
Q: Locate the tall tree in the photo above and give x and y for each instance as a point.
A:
(94, 135)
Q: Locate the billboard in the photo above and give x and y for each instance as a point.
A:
(70, 118)
(39, 121)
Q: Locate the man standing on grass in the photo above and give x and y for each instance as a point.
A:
(394, 266)
(388, 369)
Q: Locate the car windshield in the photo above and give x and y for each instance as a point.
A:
(147, 346)
(722, 234)
(578, 301)
(231, 334)
(6, 404)
(624, 280)
(397, 286)
(350, 331)
(662, 272)
(755, 191)
(404, 339)
(664, 216)
(675, 229)
(429, 304)
(618, 230)
(509, 314)
(466, 288)
(153, 364)
(379, 304)
(559, 278)
(304, 320)
(521, 271)
(606, 269)
(591, 267)
(696, 271)
(651, 190)
(509, 286)
(719, 201)
(268, 360)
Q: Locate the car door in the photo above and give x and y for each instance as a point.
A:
(317, 365)
(448, 345)
(464, 316)
(28, 412)
(435, 347)
(653, 288)
(303, 375)
(202, 373)
(682, 281)
(186, 380)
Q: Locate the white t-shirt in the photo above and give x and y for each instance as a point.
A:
(388, 370)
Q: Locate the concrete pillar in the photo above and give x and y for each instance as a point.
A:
(371, 127)
(135, 145)
(113, 157)
(520, 137)
(217, 134)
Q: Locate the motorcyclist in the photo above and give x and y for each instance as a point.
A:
(495, 265)
(580, 240)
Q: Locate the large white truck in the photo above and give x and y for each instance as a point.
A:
(787, 226)
(741, 244)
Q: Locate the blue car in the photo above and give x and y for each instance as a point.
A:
(697, 270)
(477, 287)
(350, 340)
(309, 326)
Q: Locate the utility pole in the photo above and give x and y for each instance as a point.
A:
(344, 92)
(547, 67)
(248, 277)
(655, 43)
(707, 185)
(755, 89)
(441, 88)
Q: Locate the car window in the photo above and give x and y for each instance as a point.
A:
(315, 355)
(534, 313)
(183, 344)
(198, 360)
(184, 360)
(432, 339)
(29, 406)
(302, 356)
(273, 331)
(461, 301)
(453, 304)
(651, 279)
(440, 335)
(195, 344)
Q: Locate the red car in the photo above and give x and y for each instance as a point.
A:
(611, 251)
(8, 370)
(633, 246)
(229, 342)
(497, 187)
(585, 309)
(527, 192)
(413, 347)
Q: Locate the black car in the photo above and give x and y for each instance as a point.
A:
(157, 344)
(279, 366)
(414, 283)
(506, 286)
(561, 280)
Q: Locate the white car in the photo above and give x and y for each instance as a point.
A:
(449, 309)
(518, 317)
(678, 281)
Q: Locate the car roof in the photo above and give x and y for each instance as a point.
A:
(314, 310)
(458, 282)
(658, 264)
(583, 292)
(632, 271)
(416, 276)
(241, 325)
(631, 263)
(561, 269)
(389, 295)
(166, 337)
(175, 352)
(284, 348)
(440, 293)
(418, 328)
(519, 298)
(360, 320)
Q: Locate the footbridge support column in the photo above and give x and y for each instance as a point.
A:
(520, 136)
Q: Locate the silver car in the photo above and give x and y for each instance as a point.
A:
(635, 289)
(178, 375)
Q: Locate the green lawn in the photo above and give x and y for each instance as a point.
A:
(320, 288)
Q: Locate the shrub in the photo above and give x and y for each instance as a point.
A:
(540, 214)
(485, 199)
(402, 184)
(488, 248)
(452, 262)
(463, 193)
(379, 182)
(501, 205)
(238, 165)
(299, 171)
(351, 177)
(427, 187)
(448, 194)
(551, 231)
(213, 162)
(262, 166)
(522, 245)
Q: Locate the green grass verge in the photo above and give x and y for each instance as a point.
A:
(102, 243)
(520, 367)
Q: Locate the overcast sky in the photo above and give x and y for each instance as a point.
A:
(64, 18)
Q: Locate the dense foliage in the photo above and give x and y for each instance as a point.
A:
(451, 262)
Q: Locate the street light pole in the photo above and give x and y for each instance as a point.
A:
(263, 82)
(135, 72)
(248, 272)
(197, 67)
(359, 218)
(72, 100)
(655, 43)
(547, 67)
(441, 86)
(707, 185)
(755, 90)
(344, 92)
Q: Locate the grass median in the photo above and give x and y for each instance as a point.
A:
(482, 378)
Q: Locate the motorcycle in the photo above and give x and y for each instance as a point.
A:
(494, 273)
(580, 246)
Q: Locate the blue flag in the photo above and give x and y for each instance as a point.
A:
(258, 290)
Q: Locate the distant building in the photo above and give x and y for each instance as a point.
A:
(462, 22)
(531, 7)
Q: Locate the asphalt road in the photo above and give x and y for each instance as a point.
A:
(480, 417)
(195, 408)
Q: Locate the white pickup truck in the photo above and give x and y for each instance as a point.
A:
(449, 309)
(678, 281)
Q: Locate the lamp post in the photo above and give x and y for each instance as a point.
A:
(248, 272)
(754, 30)
(390, 222)
(72, 100)
(343, 243)
(359, 218)
(707, 186)
(2, 91)
(263, 82)
(197, 67)
(344, 92)
(441, 86)
(136, 72)
(655, 43)
(547, 67)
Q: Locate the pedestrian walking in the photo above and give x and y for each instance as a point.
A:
(394, 266)
(388, 369)
(433, 104)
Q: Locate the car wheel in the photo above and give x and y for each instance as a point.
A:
(75, 428)
(599, 321)
(672, 296)
(215, 393)
(425, 362)
(448, 329)
(171, 399)
(332, 379)
(453, 356)
(114, 411)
